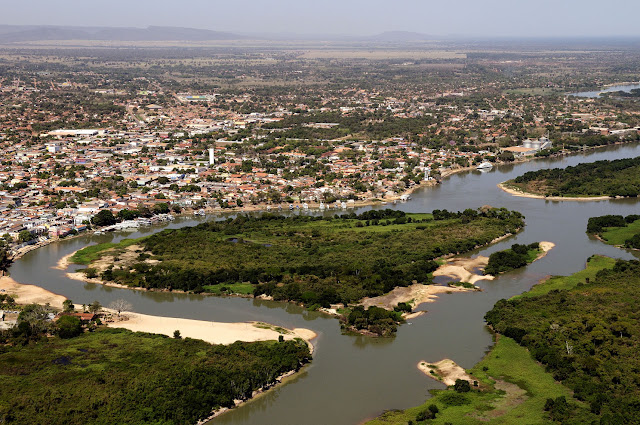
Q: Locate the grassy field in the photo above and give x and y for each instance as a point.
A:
(94, 252)
(232, 288)
(513, 389)
(619, 235)
(594, 265)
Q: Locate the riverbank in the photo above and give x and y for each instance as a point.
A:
(30, 294)
(212, 332)
(519, 193)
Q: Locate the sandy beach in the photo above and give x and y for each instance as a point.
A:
(30, 294)
(212, 332)
(445, 371)
(521, 194)
(470, 269)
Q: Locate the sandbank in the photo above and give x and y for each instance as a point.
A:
(30, 294)
(212, 332)
(545, 247)
(445, 371)
(465, 269)
(522, 194)
(415, 294)
(64, 262)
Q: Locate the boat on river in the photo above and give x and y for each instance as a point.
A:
(485, 165)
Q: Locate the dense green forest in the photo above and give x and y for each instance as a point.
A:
(588, 336)
(314, 260)
(513, 258)
(616, 229)
(601, 178)
(115, 376)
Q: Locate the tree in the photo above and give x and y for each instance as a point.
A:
(34, 318)
(120, 305)
(95, 307)
(68, 327)
(5, 260)
(104, 218)
(161, 208)
(506, 157)
(67, 306)
(176, 334)
(25, 236)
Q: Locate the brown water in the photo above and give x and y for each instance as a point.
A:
(353, 378)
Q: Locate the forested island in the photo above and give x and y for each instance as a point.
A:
(565, 352)
(617, 178)
(513, 258)
(108, 376)
(616, 230)
(316, 261)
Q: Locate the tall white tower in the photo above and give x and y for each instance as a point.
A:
(212, 157)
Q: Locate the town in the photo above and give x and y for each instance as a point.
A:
(139, 151)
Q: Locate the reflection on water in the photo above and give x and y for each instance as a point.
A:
(357, 377)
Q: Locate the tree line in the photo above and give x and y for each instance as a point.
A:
(587, 336)
(620, 177)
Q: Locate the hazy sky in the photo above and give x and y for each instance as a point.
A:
(523, 18)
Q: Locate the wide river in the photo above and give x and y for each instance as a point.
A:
(353, 378)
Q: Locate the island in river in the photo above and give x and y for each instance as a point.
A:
(584, 182)
(319, 262)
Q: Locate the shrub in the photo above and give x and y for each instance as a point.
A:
(462, 386)
(454, 399)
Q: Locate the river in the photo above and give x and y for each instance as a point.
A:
(353, 378)
(621, 87)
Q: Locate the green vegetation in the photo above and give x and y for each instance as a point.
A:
(602, 178)
(230, 288)
(317, 261)
(115, 376)
(617, 230)
(514, 258)
(512, 389)
(374, 319)
(562, 283)
(587, 336)
(94, 252)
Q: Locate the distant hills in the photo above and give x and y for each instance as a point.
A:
(23, 33)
